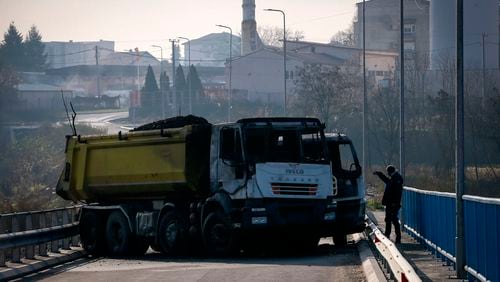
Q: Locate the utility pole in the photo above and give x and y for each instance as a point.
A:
(98, 78)
(483, 35)
(284, 53)
(402, 93)
(230, 69)
(189, 73)
(161, 84)
(459, 146)
(174, 90)
(365, 102)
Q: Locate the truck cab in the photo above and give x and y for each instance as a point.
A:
(273, 175)
(348, 185)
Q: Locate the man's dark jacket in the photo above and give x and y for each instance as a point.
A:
(393, 189)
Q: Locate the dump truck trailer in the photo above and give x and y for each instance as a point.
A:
(196, 185)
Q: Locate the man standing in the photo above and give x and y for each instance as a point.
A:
(392, 200)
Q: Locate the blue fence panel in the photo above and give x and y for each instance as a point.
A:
(482, 234)
(432, 215)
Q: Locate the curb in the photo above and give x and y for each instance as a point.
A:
(17, 270)
(371, 268)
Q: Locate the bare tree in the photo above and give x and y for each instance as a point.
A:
(326, 92)
(344, 37)
(273, 36)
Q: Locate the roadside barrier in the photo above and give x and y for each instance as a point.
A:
(430, 218)
(392, 259)
(26, 234)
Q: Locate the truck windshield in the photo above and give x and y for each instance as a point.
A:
(265, 144)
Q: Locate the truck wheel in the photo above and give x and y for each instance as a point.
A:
(118, 234)
(92, 233)
(172, 233)
(218, 236)
(340, 240)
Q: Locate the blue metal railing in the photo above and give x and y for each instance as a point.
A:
(430, 217)
(482, 235)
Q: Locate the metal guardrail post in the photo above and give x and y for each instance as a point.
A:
(66, 220)
(54, 245)
(16, 252)
(75, 240)
(30, 250)
(2, 253)
(42, 248)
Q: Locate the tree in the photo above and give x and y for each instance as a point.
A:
(8, 93)
(383, 119)
(194, 81)
(34, 50)
(150, 93)
(165, 90)
(326, 92)
(344, 37)
(12, 48)
(180, 89)
(273, 36)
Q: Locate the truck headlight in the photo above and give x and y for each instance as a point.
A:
(259, 220)
(329, 216)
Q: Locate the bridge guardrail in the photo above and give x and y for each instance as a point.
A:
(430, 217)
(26, 234)
(399, 267)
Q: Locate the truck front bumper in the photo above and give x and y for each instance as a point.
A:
(323, 217)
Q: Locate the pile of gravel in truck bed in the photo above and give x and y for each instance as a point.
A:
(173, 122)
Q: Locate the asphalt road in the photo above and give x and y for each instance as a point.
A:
(102, 120)
(326, 263)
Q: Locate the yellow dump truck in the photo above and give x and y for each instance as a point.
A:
(183, 183)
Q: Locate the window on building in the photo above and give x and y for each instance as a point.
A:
(409, 46)
(379, 73)
(409, 28)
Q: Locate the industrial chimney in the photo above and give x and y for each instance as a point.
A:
(250, 41)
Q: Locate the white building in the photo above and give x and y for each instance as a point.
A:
(259, 75)
(67, 54)
(211, 50)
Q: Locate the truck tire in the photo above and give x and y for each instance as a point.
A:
(172, 233)
(340, 239)
(118, 234)
(218, 235)
(92, 233)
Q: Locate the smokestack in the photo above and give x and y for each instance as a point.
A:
(249, 38)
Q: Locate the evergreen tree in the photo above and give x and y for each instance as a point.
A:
(12, 48)
(164, 90)
(34, 50)
(180, 88)
(149, 93)
(194, 81)
(165, 84)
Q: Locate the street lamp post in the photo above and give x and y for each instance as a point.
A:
(284, 53)
(189, 73)
(161, 86)
(230, 69)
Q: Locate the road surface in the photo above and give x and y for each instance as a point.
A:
(103, 120)
(326, 263)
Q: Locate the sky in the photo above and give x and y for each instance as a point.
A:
(152, 22)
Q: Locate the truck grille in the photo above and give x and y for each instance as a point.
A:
(294, 189)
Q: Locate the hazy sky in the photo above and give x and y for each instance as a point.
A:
(143, 23)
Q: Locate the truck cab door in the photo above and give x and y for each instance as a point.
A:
(230, 163)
